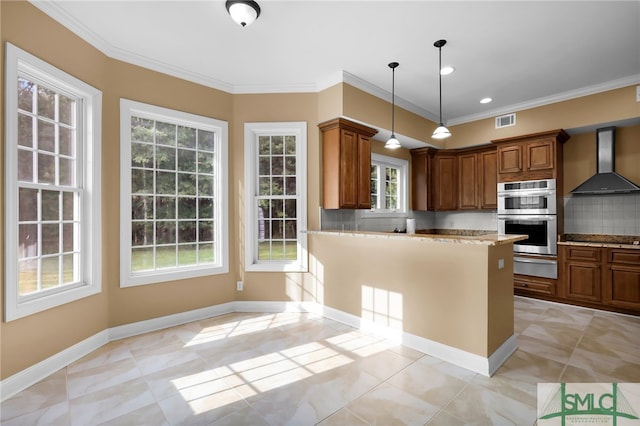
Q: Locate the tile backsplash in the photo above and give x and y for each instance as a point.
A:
(606, 214)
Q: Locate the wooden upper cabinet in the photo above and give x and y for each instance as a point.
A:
(529, 157)
(421, 179)
(488, 179)
(346, 164)
(445, 181)
(468, 181)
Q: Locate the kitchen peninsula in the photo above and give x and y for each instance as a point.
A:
(448, 296)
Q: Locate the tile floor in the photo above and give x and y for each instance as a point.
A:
(301, 369)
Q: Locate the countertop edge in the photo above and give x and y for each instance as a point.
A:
(595, 244)
(489, 239)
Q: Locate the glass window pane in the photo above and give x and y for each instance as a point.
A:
(166, 157)
(264, 145)
(67, 177)
(142, 130)
(165, 232)
(141, 181)
(66, 108)
(290, 209)
(27, 277)
(50, 272)
(206, 140)
(186, 160)
(68, 237)
(187, 232)
(277, 208)
(142, 259)
(264, 250)
(46, 168)
(264, 166)
(165, 133)
(141, 207)
(291, 250)
(25, 166)
(187, 184)
(277, 145)
(50, 205)
(290, 145)
(206, 253)
(165, 183)
(277, 185)
(65, 141)
(165, 208)
(277, 231)
(50, 238)
(28, 204)
(27, 241)
(141, 155)
(46, 102)
(290, 166)
(25, 94)
(291, 185)
(187, 255)
(205, 230)
(187, 208)
(25, 130)
(186, 137)
(277, 165)
(142, 233)
(264, 186)
(205, 162)
(205, 186)
(290, 229)
(46, 136)
(68, 205)
(70, 268)
(205, 208)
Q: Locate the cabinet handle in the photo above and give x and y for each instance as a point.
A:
(524, 285)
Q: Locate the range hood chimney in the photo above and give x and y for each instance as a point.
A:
(606, 180)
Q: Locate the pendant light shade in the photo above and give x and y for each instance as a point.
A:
(441, 131)
(243, 12)
(393, 143)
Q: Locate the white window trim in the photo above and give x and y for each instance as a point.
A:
(403, 166)
(139, 109)
(19, 62)
(251, 133)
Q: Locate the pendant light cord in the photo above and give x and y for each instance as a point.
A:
(440, 77)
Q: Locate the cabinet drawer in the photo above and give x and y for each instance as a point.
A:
(525, 283)
(590, 254)
(626, 257)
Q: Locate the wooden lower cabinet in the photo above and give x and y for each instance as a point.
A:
(599, 277)
(526, 285)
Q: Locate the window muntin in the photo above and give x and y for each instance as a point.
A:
(388, 185)
(174, 166)
(275, 176)
(52, 186)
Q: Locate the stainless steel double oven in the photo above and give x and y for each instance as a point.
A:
(529, 207)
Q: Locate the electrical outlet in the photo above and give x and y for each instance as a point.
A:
(239, 286)
(637, 93)
(500, 263)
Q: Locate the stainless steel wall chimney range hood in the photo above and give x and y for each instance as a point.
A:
(606, 180)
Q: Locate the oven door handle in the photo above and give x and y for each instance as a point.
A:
(527, 217)
(524, 193)
(540, 261)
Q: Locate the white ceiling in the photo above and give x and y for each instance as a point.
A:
(520, 53)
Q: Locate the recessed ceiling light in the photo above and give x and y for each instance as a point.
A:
(446, 70)
(485, 100)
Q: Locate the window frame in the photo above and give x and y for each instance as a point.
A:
(251, 133)
(129, 108)
(403, 183)
(20, 63)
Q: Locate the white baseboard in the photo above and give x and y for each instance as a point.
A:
(31, 375)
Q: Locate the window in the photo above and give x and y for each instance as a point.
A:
(174, 199)
(52, 178)
(276, 207)
(388, 185)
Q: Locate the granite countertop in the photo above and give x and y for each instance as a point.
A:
(488, 239)
(601, 240)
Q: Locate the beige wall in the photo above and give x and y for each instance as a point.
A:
(439, 299)
(27, 341)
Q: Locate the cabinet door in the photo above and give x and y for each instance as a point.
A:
(622, 287)
(420, 181)
(540, 155)
(583, 281)
(467, 183)
(510, 158)
(348, 173)
(488, 180)
(364, 172)
(445, 182)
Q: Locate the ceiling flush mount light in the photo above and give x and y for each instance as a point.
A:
(441, 131)
(393, 143)
(243, 12)
(485, 100)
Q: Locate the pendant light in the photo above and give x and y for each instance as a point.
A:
(393, 143)
(441, 131)
(243, 12)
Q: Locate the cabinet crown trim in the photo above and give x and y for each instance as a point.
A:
(558, 134)
(343, 123)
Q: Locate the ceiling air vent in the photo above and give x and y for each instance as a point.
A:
(505, 121)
